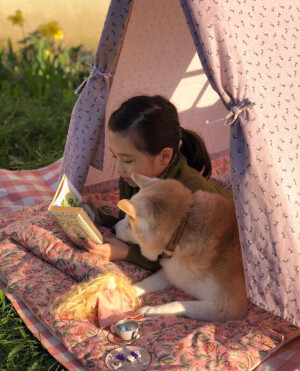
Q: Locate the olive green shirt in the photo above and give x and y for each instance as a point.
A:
(179, 170)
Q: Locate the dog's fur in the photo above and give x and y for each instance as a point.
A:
(207, 262)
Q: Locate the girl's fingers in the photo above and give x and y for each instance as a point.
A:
(102, 251)
(112, 249)
(88, 242)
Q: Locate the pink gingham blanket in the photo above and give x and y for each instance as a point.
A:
(27, 187)
(19, 189)
(37, 263)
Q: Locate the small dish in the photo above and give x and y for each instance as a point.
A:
(127, 329)
(128, 358)
(115, 339)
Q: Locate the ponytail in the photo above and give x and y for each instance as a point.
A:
(194, 149)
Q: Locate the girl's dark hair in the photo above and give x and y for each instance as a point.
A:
(152, 122)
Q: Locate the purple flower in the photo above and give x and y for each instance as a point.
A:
(121, 357)
(134, 354)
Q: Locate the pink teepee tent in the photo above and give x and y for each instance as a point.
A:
(247, 52)
(232, 62)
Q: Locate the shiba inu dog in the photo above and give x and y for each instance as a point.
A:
(196, 237)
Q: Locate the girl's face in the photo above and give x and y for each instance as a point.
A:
(129, 160)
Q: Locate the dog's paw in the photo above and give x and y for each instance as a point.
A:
(147, 311)
(176, 308)
(138, 290)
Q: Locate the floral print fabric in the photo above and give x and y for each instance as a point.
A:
(248, 51)
(39, 263)
(86, 132)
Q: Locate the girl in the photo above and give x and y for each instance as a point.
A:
(145, 137)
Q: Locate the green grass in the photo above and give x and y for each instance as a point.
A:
(19, 349)
(32, 132)
(36, 101)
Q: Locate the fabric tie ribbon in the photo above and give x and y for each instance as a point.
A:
(94, 72)
(234, 112)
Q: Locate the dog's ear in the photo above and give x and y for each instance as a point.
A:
(128, 207)
(143, 181)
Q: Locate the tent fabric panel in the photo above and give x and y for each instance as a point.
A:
(270, 195)
(219, 56)
(265, 176)
(86, 136)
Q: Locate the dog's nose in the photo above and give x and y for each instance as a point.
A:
(113, 230)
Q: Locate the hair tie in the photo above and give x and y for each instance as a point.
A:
(181, 130)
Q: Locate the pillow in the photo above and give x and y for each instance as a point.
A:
(220, 165)
(42, 236)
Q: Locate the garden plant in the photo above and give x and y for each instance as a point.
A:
(37, 83)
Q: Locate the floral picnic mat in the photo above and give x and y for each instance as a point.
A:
(38, 263)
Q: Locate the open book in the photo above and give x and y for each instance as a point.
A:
(74, 217)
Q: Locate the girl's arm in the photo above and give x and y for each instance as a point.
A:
(114, 249)
(135, 256)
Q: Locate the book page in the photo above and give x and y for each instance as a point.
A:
(68, 195)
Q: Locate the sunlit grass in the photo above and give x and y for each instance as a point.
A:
(32, 133)
(37, 85)
(19, 349)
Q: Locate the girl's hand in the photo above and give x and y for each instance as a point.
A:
(112, 249)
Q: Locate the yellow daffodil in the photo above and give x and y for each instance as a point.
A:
(17, 18)
(58, 35)
(51, 29)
